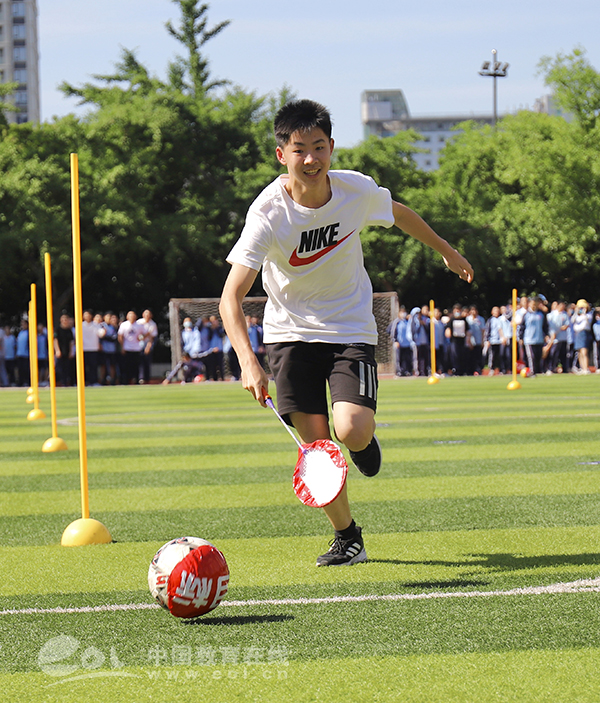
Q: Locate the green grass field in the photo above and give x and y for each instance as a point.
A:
(482, 530)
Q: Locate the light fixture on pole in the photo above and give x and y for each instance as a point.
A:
(495, 69)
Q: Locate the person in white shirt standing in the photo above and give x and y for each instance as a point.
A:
(131, 334)
(558, 327)
(147, 345)
(91, 347)
(319, 328)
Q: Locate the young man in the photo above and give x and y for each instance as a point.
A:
(535, 335)
(91, 346)
(64, 351)
(131, 334)
(558, 327)
(150, 339)
(459, 334)
(476, 327)
(303, 229)
(494, 337)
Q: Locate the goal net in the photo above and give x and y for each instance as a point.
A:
(385, 309)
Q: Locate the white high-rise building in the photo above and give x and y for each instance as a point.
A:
(385, 113)
(19, 57)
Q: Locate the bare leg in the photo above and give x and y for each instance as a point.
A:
(354, 425)
(311, 428)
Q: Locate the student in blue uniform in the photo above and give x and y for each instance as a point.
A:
(535, 336)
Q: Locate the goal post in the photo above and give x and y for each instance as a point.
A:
(385, 309)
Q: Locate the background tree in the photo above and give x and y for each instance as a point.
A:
(169, 167)
(524, 202)
(394, 260)
(166, 174)
(6, 91)
(575, 84)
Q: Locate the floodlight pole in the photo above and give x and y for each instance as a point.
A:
(495, 70)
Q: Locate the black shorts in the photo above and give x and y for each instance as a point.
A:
(303, 369)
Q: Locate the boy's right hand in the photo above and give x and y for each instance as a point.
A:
(255, 381)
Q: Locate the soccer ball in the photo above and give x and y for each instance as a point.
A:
(188, 577)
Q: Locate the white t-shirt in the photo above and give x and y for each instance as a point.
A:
(313, 270)
(150, 329)
(132, 333)
(90, 335)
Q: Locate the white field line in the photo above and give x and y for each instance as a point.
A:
(581, 586)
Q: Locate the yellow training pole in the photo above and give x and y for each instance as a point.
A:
(433, 377)
(54, 443)
(86, 530)
(30, 393)
(36, 413)
(514, 385)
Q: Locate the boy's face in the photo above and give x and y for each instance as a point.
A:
(307, 156)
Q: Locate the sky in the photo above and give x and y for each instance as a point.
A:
(329, 50)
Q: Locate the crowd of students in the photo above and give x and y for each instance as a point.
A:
(115, 350)
(207, 353)
(551, 338)
(555, 337)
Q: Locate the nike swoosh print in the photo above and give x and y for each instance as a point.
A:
(295, 260)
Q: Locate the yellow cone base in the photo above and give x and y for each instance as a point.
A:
(513, 386)
(36, 414)
(54, 444)
(85, 531)
(433, 379)
(30, 398)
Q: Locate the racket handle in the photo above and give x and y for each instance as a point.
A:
(269, 401)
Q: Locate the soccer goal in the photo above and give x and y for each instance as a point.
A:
(385, 309)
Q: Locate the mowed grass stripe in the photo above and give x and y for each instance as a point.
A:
(35, 463)
(479, 513)
(185, 497)
(494, 623)
(426, 439)
(174, 476)
(455, 399)
(276, 562)
(220, 438)
(544, 675)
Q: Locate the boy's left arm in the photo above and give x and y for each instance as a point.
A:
(408, 221)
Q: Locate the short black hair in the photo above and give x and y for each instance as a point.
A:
(300, 116)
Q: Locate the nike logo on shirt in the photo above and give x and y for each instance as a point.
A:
(312, 239)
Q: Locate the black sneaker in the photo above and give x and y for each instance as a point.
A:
(368, 460)
(343, 552)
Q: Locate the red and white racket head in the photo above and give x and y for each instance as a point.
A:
(320, 473)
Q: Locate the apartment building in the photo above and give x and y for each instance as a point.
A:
(19, 58)
(385, 113)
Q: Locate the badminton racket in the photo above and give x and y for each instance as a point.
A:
(321, 470)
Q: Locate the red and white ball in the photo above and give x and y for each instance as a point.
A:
(188, 577)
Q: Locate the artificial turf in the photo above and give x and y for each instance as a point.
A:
(483, 491)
